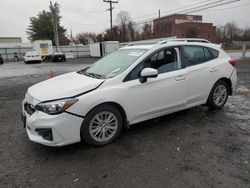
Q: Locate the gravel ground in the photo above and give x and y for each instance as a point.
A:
(197, 147)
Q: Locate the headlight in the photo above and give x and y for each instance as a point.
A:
(55, 107)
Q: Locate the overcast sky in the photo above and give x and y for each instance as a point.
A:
(91, 15)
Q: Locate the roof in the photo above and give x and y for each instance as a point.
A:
(173, 42)
(138, 46)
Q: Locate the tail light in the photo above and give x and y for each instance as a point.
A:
(232, 62)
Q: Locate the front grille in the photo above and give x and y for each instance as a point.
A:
(29, 108)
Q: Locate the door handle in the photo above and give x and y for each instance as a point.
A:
(213, 69)
(181, 77)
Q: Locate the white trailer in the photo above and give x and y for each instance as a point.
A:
(103, 48)
(43, 47)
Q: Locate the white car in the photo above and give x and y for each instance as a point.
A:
(130, 85)
(32, 57)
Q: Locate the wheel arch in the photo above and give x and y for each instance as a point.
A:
(228, 82)
(119, 108)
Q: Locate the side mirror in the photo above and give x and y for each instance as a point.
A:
(148, 73)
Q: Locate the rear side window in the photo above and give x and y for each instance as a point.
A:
(208, 55)
(215, 53)
(193, 55)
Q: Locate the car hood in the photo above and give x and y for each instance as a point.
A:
(63, 86)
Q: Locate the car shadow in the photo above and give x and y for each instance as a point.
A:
(171, 124)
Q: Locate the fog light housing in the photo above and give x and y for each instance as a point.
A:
(46, 133)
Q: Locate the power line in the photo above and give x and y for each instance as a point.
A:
(228, 8)
(194, 9)
(178, 10)
(197, 7)
(211, 6)
(171, 10)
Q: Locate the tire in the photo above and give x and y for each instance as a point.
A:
(110, 130)
(218, 95)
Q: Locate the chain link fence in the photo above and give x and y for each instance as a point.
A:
(17, 53)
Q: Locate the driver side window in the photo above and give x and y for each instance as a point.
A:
(164, 61)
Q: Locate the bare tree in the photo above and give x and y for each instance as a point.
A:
(100, 38)
(232, 31)
(132, 30)
(86, 38)
(221, 33)
(123, 20)
(229, 32)
(147, 31)
(246, 35)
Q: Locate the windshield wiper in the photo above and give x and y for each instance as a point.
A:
(93, 75)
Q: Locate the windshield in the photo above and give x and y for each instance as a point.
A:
(113, 64)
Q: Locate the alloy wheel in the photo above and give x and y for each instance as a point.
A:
(220, 95)
(103, 126)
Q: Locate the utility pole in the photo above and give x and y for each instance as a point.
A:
(55, 23)
(110, 9)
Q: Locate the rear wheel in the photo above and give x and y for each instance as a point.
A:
(102, 125)
(218, 95)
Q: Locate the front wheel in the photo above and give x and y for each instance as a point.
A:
(218, 95)
(102, 125)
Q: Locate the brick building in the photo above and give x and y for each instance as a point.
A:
(184, 26)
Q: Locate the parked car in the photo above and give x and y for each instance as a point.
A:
(1, 59)
(32, 57)
(57, 57)
(130, 85)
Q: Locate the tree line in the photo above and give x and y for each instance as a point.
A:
(125, 30)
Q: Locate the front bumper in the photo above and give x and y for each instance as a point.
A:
(33, 61)
(65, 128)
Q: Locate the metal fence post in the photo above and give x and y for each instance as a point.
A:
(6, 54)
(244, 47)
(19, 51)
(77, 50)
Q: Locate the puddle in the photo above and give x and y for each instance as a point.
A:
(238, 107)
(242, 90)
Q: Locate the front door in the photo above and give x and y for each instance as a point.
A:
(158, 96)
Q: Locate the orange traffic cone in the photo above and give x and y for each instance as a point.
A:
(51, 73)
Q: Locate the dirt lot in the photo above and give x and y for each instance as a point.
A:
(193, 148)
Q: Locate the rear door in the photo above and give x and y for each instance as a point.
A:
(201, 73)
